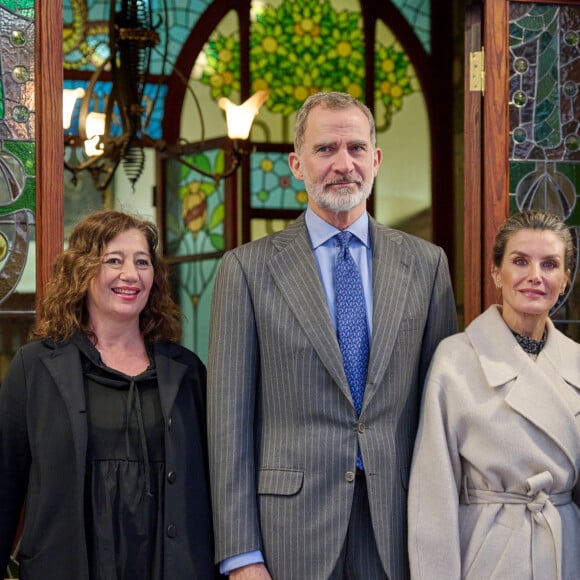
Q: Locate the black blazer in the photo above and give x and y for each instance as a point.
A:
(43, 439)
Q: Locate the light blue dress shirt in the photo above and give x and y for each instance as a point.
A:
(325, 250)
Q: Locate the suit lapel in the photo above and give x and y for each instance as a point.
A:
(392, 268)
(295, 273)
(64, 366)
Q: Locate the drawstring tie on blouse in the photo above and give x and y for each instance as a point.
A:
(133, 400)
(134, 395)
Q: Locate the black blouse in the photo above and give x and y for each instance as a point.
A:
(124, 471)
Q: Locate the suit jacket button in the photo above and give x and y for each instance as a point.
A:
(171, 531)
(361, 427)
(349, 476)
(171, 476)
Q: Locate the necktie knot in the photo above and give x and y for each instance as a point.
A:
(344, 239)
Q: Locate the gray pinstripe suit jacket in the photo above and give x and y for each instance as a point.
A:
(282, 427)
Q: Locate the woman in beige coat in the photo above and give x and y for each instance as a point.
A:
(495, 487)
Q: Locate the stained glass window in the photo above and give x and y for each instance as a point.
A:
(194, 239)
(273, 185)
(296, 47)
(17, 176)
(17, 146)
(544, 117)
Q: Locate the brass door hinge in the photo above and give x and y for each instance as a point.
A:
(477, 71)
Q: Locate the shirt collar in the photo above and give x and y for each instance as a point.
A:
(320, 231)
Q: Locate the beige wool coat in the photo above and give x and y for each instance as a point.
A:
(495, 490)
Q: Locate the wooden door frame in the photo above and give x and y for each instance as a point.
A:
(486, 150)
(49, 217)
(473, 180)
(486, 144)
(495, 134)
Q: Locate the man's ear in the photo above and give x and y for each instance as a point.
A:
(295, 165)
(378, 159)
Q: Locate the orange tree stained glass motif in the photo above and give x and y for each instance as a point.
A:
(303, 47)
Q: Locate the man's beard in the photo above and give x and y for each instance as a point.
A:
(339, 199)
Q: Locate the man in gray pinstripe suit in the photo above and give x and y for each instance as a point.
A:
(289, 500)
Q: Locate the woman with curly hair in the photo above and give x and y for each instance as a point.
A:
(102, 421)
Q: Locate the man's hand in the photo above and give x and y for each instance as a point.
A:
(251, 572)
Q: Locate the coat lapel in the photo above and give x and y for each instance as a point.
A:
(295, 273)
(541, 390)
(64, 366)
(170, 375)
(542, 395)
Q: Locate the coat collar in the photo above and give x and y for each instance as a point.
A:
(63, 363)
(170, 374)
(540, 390)
(502, 358)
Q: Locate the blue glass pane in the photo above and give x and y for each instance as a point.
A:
(153, 103)
(418, 14)
(272, 184)
(87, 51)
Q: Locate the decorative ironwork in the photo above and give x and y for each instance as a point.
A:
(132, 37)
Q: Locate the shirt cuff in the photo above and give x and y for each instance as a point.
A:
(229, 564)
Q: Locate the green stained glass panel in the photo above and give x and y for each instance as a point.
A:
(17, 144)
(194, 205)
(418, 14)
(192, 288)
(544, 108)
(194, 228)
(22, 7)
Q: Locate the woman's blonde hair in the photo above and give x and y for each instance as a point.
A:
(63, 310)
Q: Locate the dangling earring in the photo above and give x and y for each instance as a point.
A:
(498, 284)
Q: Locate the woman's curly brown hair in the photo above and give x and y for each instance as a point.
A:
(63, 310)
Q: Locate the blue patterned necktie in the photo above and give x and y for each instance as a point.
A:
(351, 322)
